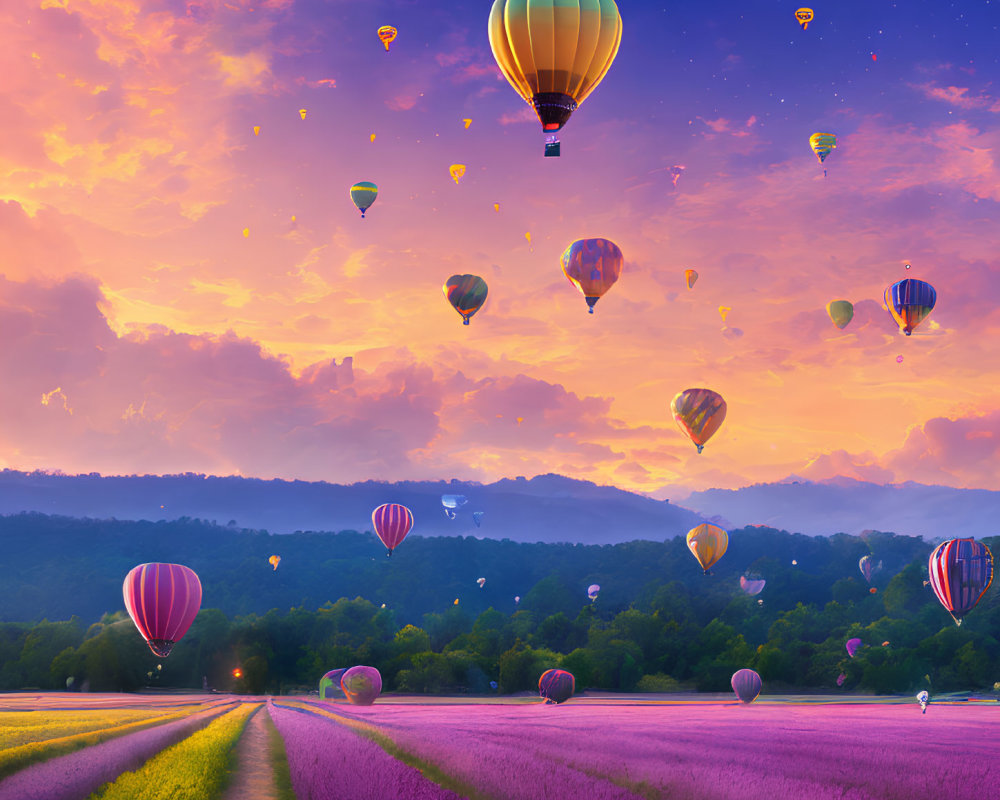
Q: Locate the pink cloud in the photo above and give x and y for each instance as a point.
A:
(960, 97)
(526, 114)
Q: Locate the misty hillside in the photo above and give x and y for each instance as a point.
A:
(848, 506)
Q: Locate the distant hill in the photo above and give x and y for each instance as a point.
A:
(844, 505)
(547, 508)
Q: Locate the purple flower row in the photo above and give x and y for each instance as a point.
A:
(329, 761)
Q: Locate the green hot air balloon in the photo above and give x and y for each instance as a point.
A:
(841, 312)
(466, 293)
(363, 194)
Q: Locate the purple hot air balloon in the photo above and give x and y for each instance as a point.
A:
(869, 567)
(392, 522)
(163, 600)
(747, 685)
(960, 571)
(852, 646)
(751, 586)
(331, 681)
(592, 591)
(556, 685)
(841, 678)
(361, 685)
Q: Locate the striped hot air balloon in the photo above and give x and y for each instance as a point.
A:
(556, 685)
(822, 144)
(746, 684)
(961, 570)
(392, 522)
(163, 600)
(910, 301)
(698, 413)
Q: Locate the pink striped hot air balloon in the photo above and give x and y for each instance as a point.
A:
(163, 600)
(392, 522)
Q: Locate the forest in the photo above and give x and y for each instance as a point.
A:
(335, 600)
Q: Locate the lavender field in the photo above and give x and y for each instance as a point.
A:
(598, 747)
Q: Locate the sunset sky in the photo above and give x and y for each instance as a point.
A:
(142, 332)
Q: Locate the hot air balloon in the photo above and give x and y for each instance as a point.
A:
(302, 113)
(750, 586)
(467, 122)
(372, 138)
(746, 684)
(724, 312)
(477, 517)
(698, 413)
(256, 130)
(456, 602)
(961, 570)
(841, 312)
(923, 698)
(822, 144)
(493, 685)
(556, 685)
(457, 171)
(387, 34)
(466, 293)
(331, 681)
(496, 207)
(909, 301)
(274, 561)
(885, 644)
(852, 646)
(593, 266)
(517, 599)
(453, 500)
(708, 544)
(804, 16)
(841, 678)
(392, 522)
(690, 277)
(363, 194)
(592, 591)
(481, 582)
(675, 172)
(554, 52)
(869, 567)
(163, 600)
(361, 685)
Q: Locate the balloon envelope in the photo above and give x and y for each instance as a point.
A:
(593, 266)
(841, 678)
(708, 544)
(392, 522)
(747, 685)
(822, 144)
(960, 571)
(690, 277)
(852, 646)
(274, 561)
(163, 600)
(592, 591)
(453, 500)
(909, 301)
(466, 293)
(363, 194)
(456, 171)
(841, 312)
(556, 685)
(751, 586)
(331, 683)
(387, 34)
(361, 685)
(869, 567)
(699, 413)
(477, 517)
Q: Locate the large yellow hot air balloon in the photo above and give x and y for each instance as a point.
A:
(699, 413)
(708, 543)
(841, 312)
(457, 171)
(554, 52)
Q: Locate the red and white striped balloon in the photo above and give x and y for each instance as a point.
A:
(392, 522)
(960, 571)
(163, 600)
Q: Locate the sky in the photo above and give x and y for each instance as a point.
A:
(179, 294)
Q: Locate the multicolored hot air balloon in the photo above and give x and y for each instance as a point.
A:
(592, 591)
(466, 293)
(852, 646)
(960, 571)
(699, 413)
(690, 277)
(910, 301)
(387, 34)
(822, 144)
(392, 522)
(869, 567)
(477, 517)
(841, 312)
(554, 52)
(163, 600)
(593, 266)
(556, 685)
(361, 685)
(751, 586)
(456, 171)
(363, 193)
(804, 17)
(331, 681)
(481, 582)
(746, 684)
(274, 561)
(708, 544)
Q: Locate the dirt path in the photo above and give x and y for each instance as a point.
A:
(253, 778)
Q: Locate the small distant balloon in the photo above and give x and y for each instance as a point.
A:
(746, 684)
(256, 130)
(453, 500)
(237, 673)
(493, 685)
(477, 517)
(907, 266)
(869, 566)
(457, 171)
(690, 277)
(795, 563)
(528, 236)
(592, 591)
(923, 698)
(675, 172)
(873, 590)
(750, 586)
(387, 34)
(372, 137)
(481, 582)
(885, 644)
(302, 113)
(822, 144)
(804, 16)
(841, 312)
(467, 122)
(852, 646)
(466, 293)
(517, 599)
(899, 359)
(874, 57)
(496, 207)
(841, 678)
(274, 561)
(246, 233)
(724, 312)
(363, 194)
(456, 602)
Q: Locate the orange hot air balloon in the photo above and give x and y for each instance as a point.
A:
(274, 561)
(691, 277)
(237, 673)
(387, 34)
(496, 207)
(804, 16)
(302, 113)
(593, 266)
(246, 233)
(457, 171)
(526, 235)
(467, 122)
(373, 137)
(708, 544)
(724, 312)
(699, 413)
(256, 129)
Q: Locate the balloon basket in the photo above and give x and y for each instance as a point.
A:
(551, 147)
